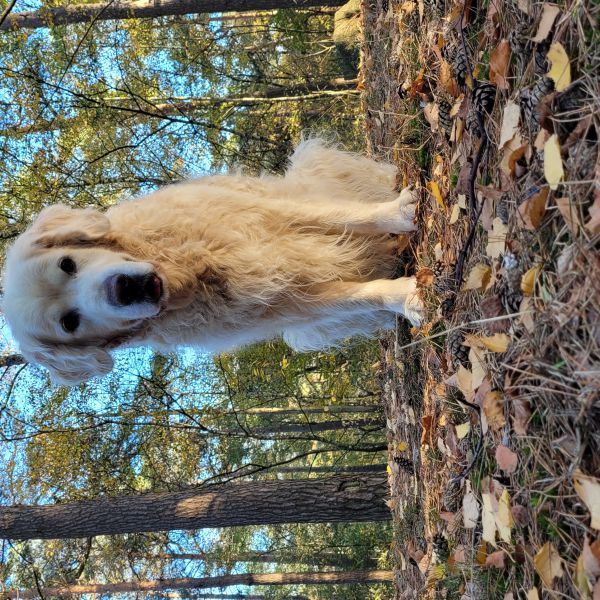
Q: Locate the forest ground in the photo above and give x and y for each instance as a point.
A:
(494, 414)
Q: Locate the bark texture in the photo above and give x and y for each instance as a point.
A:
(332, 577)
(341, 498)
(137, 9)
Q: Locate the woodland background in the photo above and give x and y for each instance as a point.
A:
(94, 111)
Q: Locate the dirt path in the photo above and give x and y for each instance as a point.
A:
(494, 415)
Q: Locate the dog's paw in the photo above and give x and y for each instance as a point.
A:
(397, 217)
(408, 195)
(402, 297)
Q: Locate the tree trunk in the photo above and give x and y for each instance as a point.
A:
(137, 9)
(341, 577)
(341, 498)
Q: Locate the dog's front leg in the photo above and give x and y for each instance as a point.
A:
(378, 218)
(396, 295)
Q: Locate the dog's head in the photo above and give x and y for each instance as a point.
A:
(71, 293)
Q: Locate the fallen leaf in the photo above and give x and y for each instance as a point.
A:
(402, 447)
(593, 224)
(528, 280)
(510, 123)
(548, 564)
(553, 165)
(549, 14)
(560, 72)
(431, 112)
(481, 553)
(531, 212)
(459, 554)
(591, 558)
(496, 343)
(521, 415)
(496, 238)
(447, 80)
(533, 594)
(464, 379)
(587, 568)
(493, 407)
(470, 511)
(514, 150)
(435, 191)
(425, 277)
(588, 489)
(462, 430)
(479, 277)
(496, 559)
(426, 424)
(455, 214)
(478, 367)
(488, 520)
(504, 518)
(569, 214)
(499, 63)
(506, 459)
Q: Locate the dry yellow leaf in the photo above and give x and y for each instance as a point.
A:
(528, 280)
(496, 238)
(462, 430)
(533, 594)
(560, 72)
(496, 343)
(548, 564)
(478, 278)
(434, 188)
(588, 489)
(553, 165)
(504, 518)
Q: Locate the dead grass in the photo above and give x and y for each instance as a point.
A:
(547, 408)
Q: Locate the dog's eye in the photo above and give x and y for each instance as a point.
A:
(70, 321)
(67, 265)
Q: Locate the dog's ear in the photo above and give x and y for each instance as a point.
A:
(60, 225)
(70, 365)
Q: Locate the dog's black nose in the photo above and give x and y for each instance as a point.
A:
(124, 290)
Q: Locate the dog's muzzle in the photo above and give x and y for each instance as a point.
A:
(125, 290)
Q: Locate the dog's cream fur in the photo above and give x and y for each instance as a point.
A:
(308, 256)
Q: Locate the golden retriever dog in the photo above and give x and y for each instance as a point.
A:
(215, 263)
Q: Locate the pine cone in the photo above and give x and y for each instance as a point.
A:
(444, 117)
(461, 65)
(459, 353)
(440, 547)
(484, 96)
(453, 495)
(503, 208)
(444, 278)
(405, 464)
(540, 53)
(472, 123)
(510, 291)
(530, 99)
